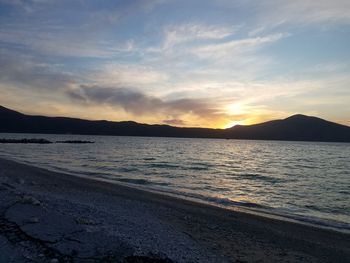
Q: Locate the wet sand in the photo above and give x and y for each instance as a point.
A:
(53, 217)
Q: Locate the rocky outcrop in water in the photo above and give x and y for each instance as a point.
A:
(41, 141)
(75, 141)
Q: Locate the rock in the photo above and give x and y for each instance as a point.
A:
(8, 185)
(84, 221)
(30, 200)
(40, 141)
(20, 181)
(28, 257)
(213, 226)
(33, 220)
(75, 141)
(93, 245)
(54, 260)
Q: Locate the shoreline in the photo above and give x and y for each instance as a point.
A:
(269, 213)
(215, 234)
(173, 137)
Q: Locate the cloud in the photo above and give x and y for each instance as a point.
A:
(54, 41)
(25, 72)
(336, 11)
(26, 5)
(78, 29)
(236, 47)
(138, 103)
(127, 75)
(272, 14)
(175, 122)
(184, 33)
(327, 68)
(188, 50)
(130, 101)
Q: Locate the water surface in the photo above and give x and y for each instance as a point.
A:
(307, 181)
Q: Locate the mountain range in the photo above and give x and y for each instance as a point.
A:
(295, 128)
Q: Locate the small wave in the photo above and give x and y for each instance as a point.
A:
(135, 181)
(127, 169)
(149, 159)
(197, 168)
(249, 204)
(305, 166)
(214, 200)
(163, 165)
(214, 188)
(340, 226)
(259, 177)
(141, 182)
(95, 174)
(262, 210)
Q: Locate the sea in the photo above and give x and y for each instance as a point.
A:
(307, 182)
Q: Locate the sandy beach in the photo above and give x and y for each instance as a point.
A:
(53, 217)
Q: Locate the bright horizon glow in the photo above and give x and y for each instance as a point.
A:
(232, 124)
(190, 64)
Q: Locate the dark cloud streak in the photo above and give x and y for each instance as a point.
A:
(138, 103)
(176, 122)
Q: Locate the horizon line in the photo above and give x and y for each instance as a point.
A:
(174, 126)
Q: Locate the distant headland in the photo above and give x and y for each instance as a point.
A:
(295, 128)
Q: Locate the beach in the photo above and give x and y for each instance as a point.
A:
(48, 216)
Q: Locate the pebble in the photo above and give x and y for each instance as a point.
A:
(54, 260)
(213, 227)
(33, 220)
(33, 183)
(30, 200)
(20, 181)
(84, 221)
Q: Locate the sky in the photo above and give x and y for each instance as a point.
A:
(192, 63)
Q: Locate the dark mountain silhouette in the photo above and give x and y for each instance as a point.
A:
(294, 128)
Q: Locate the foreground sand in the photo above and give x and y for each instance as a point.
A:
(53, 217)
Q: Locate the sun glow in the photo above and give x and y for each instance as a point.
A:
(232, 123)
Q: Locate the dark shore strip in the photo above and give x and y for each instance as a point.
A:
(41, 141)
(85, 220)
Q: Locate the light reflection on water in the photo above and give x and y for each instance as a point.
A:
(305, 179)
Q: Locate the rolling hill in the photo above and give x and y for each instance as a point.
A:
(294, 128)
